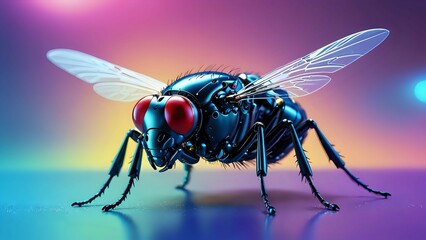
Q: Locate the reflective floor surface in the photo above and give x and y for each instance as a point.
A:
(218, 205)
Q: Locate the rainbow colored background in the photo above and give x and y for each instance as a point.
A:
(51, 120)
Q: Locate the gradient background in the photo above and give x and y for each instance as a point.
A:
(57, 137)
(51, 120)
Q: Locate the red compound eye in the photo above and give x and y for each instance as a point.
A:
(139, 111)
(179, 114)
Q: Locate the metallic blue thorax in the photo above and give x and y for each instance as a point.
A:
(222, 124)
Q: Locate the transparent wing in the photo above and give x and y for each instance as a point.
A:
(305, 85)
(118, 91)
(301, 78)
(109, 80)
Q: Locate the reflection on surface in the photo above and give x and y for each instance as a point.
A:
(130, 226)
(225, 205)
(199, 219)
(308, 232)
(267, 232)
(189, 220)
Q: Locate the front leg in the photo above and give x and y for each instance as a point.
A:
(188, 170)
(134, 172)
(115, 168)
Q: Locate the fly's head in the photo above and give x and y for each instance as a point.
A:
(165, 122)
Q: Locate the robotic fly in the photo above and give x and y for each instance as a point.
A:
(218, 116)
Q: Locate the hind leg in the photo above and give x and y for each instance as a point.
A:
(335, 157)
(304, 166)
(305, 169)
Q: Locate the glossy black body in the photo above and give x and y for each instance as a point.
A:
(205, 115)
(222, 124)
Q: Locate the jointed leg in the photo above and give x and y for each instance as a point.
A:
(188, 170)
(105, 186)
(262, 167)
(303, 163)
(134, 171)
(261, 162)
(269, 208)
(115, 168)
(326, 204)
(335, 157)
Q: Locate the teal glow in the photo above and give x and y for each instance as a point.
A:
(420, 91)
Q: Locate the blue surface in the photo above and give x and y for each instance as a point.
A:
(220, 205)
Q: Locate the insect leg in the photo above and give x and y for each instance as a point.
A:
(262, 166)
(257, 130)
(188, 170)
(335, 157)
(134, 171)
(115, 168)
(303, 163)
